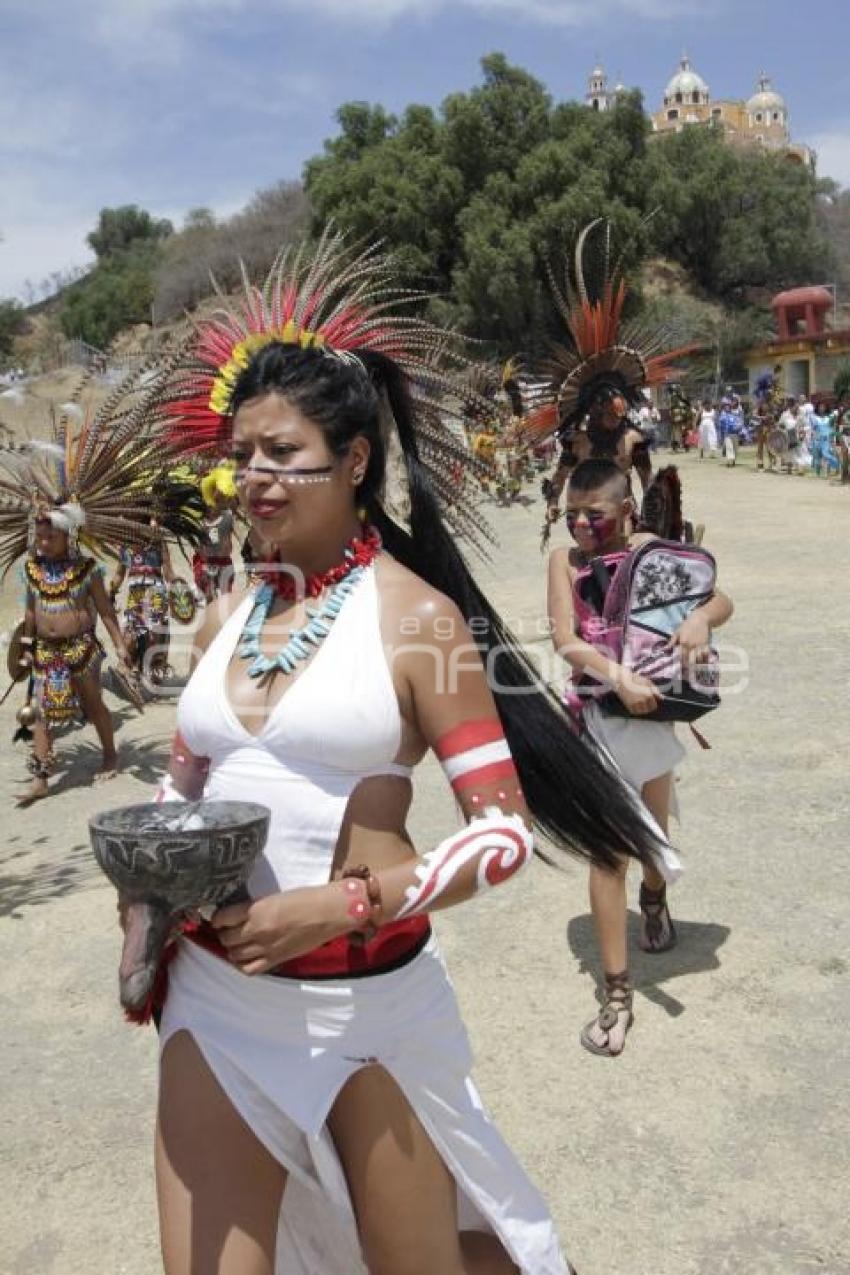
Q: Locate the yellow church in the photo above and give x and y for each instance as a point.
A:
(760, 121)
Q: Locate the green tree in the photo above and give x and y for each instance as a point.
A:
(13, 322)
(199, 219)
(121, 228)
(738, 220)
(117, 293)
(476, 196)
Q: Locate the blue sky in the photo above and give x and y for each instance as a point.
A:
(179, 103)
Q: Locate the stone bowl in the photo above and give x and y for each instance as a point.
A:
(166, 860)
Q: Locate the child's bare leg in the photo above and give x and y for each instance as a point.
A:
(657, 931)
(91, 700)
(608, 905)
(607, 1033)
(41, 760)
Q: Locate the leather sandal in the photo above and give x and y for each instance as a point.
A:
(616, 1001)
(654, 912)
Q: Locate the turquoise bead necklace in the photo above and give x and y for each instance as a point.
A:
(301, 643)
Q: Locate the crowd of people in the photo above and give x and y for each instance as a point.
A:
(791, 435)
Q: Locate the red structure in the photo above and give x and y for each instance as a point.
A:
(801, 312)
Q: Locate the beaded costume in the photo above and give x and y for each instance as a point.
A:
(146, 609)
(61, 587)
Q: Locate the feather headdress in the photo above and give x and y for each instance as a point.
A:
(97, 477)
(599, 353)
(342, 299)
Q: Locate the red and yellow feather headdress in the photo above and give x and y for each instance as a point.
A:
(344, 300)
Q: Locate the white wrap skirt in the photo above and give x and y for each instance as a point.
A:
(282, 1050)
(641, 751)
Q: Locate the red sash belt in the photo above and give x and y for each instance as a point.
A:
(392, 947)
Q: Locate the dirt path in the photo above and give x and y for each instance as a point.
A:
(716, 1145)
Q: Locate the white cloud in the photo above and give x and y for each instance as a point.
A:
(147, 30)
(554, 12)
(833, 151)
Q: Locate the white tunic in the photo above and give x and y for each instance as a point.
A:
(283, 1049)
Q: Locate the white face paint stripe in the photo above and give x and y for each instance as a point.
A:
(475, 758)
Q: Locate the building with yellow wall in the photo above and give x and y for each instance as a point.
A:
(759, 121)
(806, 353)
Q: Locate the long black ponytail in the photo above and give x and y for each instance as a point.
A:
(575, 799)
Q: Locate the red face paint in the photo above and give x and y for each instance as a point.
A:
(597, 526)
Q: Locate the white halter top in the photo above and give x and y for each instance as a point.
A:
(337, 725)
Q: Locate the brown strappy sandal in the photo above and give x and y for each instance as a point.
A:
(654, 911)
(617, 1001)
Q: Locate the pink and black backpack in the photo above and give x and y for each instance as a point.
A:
(652, 590)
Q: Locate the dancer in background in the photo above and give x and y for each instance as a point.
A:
(89, 486)
(681, 418)
(212, 564)
(730, 426)
(149, 574)
(597, 372)
(65, 597)
(824, 459)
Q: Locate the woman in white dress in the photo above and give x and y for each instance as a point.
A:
(316, 1112)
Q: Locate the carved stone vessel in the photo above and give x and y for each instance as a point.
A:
(166, 860)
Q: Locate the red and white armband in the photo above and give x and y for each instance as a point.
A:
(477, 762)
(185, 769)
(496, 843)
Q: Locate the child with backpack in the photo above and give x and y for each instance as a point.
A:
(633, 619)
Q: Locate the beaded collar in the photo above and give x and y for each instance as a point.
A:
(59, 582)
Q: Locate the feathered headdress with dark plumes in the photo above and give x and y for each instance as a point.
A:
(98, 477)
(343, 299)
(600, 353)
(661, 507)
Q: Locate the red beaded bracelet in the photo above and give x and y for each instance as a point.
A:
(366, 907)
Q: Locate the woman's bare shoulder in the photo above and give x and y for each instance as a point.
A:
(405, 595)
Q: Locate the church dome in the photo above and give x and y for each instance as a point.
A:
(765, 98)
(686, 82)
